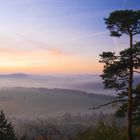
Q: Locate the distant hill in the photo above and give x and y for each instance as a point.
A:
(85, 82)
(36, 102)
(14, 75)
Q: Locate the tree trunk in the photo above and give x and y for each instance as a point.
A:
(130, 100)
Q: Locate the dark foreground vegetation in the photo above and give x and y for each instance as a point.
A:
(67, 127)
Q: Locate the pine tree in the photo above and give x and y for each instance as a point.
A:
(116, 75)
(6, 129)
(126, 22)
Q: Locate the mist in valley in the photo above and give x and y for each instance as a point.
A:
(56, 102)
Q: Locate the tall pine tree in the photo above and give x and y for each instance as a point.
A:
(119, 23)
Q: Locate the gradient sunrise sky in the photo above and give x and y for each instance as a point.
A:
(57, 36)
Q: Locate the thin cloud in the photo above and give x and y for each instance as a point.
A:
(85, 36)
(86, 15)
(44, 46)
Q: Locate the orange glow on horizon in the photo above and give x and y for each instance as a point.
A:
(49, 61)
(38, 58)
(60, 67)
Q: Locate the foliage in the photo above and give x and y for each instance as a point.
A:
(116, 75)
(138, 133)
(116, 68)
(102, 132)
(87, 134)
(107, 132)
(123, 22)
(6, 129)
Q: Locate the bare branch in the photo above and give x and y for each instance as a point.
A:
(108, 104)
(136, 71)
(136, 33)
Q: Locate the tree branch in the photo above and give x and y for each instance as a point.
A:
(108, 104)
(136, 33)
(136, 71)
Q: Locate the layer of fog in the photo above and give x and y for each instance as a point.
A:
(88, 83)
(42, 102)
(35, 96)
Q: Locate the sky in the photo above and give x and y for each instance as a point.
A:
(57, 36)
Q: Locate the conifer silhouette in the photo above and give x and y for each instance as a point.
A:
(6, 129)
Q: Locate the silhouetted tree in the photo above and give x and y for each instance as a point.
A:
(122, 22)
(6, 129)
